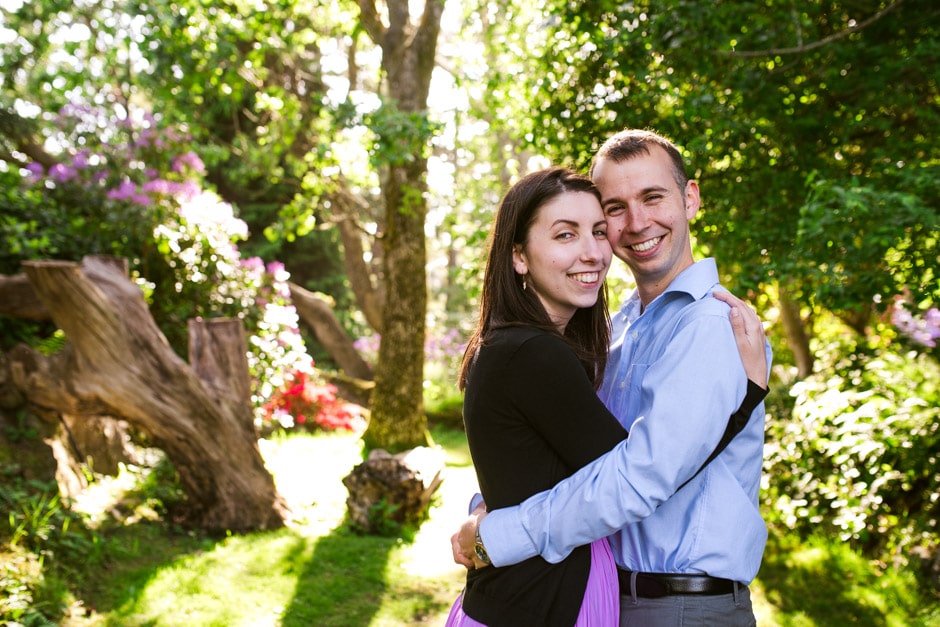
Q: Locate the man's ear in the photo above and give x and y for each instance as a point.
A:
(518, 261)
(693, 199)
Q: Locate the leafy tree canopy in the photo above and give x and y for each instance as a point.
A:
(780, 108)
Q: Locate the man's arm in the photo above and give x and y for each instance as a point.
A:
(752, 345)
(677, 427)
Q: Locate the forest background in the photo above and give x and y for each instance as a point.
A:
(244, 155)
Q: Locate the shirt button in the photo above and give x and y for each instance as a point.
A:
(634, 335)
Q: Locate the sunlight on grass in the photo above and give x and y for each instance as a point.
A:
(314, 571)
(308, 472)
(246, 580)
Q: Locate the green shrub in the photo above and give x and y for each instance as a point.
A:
(858, 458)
(42, 544)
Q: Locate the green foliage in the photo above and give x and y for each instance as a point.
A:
(40, 522)
(21, 430)
(381, 520)
(249, 81)
(859, 245)
(20, 580)
(859, 458)
(244, 81)
(820, 580)
(42, 543)
(759, 96)
(158, 490)
(400, 137)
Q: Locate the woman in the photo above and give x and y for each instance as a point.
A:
(530, 375)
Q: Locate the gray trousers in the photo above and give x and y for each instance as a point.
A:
(721, 610)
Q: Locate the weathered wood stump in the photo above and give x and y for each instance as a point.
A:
(394, 489)
(117, 363)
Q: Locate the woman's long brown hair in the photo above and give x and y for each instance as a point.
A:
(503, 302)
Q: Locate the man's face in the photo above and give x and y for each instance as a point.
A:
(648, 218)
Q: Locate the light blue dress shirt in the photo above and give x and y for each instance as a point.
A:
(674, 377)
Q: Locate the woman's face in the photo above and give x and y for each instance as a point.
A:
(566, 254)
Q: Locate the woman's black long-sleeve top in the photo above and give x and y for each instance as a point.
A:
(532, 419)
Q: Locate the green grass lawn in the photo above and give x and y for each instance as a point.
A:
(315, 572)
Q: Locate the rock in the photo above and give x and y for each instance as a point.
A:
(387, 491)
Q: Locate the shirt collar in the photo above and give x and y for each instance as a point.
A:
(698, 280)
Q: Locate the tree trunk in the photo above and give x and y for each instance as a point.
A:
(118, 363)
(217, 350)
(316, 311)
(18, 299)
(797, 338)
(398, 421)
(368, 290)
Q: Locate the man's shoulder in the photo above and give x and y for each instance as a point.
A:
(702, 304)
(706, 311)
(709, 305)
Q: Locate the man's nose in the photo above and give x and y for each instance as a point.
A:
(634, 219)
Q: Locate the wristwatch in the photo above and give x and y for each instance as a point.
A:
(479, 549)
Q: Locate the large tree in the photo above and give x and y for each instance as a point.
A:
(402, 147)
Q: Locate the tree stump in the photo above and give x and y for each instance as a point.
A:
(393, 490)
(117, 363)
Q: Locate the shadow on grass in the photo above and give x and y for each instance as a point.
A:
(342, 581)
(134, 557)
(821, 582)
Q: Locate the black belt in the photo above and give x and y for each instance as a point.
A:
(655, 585)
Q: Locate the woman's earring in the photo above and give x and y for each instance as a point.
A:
(523, 283)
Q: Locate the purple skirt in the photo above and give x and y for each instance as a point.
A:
(601, 604)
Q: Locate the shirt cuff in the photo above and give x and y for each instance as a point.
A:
(475, 502)
(505, 538)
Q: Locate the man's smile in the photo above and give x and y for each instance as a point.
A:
(642, 247)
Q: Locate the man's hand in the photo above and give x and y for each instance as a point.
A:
(462, 541)
(749, 335)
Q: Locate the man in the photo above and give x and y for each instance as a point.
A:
(685, 552)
